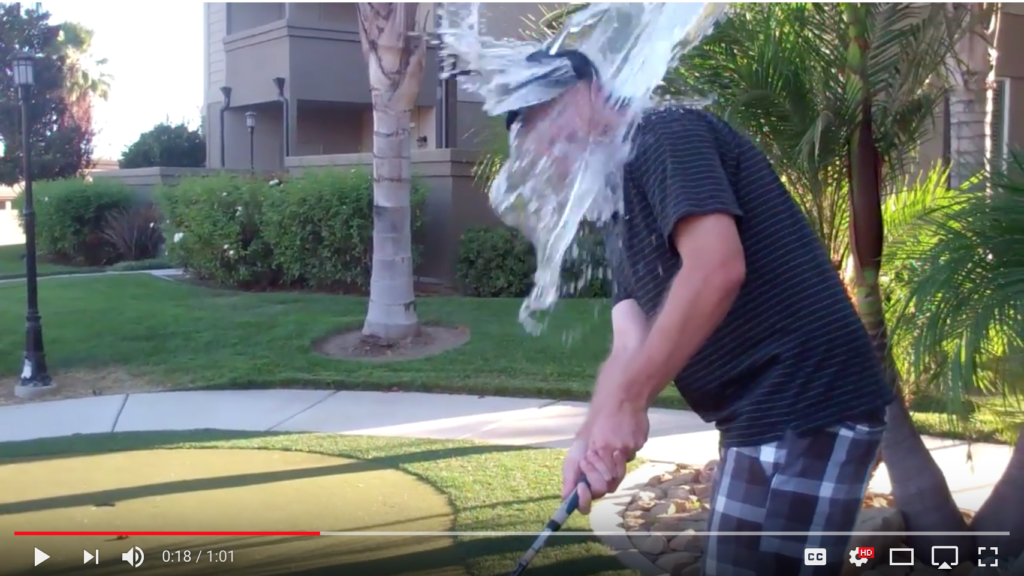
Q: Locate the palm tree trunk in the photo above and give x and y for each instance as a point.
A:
(991, 33)
(919, 487)
(396, 57)
(1004, 508)
(392, 310)
(966, 99)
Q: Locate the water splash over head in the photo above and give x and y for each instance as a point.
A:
(573, 103)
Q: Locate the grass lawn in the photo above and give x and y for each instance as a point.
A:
(193, 336)
(12, 264)
(188, 336)
(488, 488)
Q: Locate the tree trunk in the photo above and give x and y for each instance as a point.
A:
(991, 33)
(395, 55)
(967, 114)
(1004, 509)
(919, 486)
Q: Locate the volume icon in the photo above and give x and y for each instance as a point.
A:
(134, 557)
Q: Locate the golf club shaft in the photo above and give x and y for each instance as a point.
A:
(568, 506)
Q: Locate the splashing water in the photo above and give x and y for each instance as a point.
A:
(547, 194)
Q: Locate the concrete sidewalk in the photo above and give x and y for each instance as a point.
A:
(676, 435)
(165, 273)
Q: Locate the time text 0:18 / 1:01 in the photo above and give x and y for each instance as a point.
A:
(190, 557)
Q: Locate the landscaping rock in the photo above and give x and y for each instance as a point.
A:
(689, 542)
(651, 543)
(668, 562)
(667, 512)
(683, 570)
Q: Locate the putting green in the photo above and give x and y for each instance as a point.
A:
(223, 490)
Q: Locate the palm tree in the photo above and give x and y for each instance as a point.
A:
(840, 97)
(395, 52)
(85, 78)
(965, 289)
(970, 101)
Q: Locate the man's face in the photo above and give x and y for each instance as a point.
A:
(561, 128)
(562, 132)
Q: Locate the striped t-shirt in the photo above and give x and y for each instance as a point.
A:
(791, 354)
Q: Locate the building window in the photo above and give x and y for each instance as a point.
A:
(1000, 122)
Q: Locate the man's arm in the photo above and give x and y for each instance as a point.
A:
(696, 209)
(629, 330)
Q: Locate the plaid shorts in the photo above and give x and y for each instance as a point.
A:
(799, 484)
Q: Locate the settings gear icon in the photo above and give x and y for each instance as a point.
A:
(856, 559)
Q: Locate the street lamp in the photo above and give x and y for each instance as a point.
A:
(250, 123)
(35, 378)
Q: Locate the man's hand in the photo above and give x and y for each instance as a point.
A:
(610, 438)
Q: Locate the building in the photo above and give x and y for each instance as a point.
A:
(1008, 120)
(1008, 98)
(313, 52)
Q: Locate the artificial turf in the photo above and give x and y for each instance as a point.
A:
(486, 489)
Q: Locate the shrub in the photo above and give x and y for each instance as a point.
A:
(585, 272)
(313, 231)
(321, 228)
(500, 262)
(213, 228)
(169, 145)
(135, 232)
(495, 263)
(70, 216)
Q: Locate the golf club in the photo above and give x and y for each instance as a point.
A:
(554, 524)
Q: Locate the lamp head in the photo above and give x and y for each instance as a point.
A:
(23, 64)
(250, 119)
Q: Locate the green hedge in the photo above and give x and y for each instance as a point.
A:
(72, 216)
(500, 262)
(313, 231)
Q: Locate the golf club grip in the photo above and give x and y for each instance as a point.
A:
(569, 505)
(566, 509)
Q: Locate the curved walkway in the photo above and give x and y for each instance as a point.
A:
(676, 435)
(164, 273)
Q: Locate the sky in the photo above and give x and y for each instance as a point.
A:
(155, 55)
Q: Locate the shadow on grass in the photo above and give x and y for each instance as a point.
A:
(107, 443)
(493, 556)
(383, 555)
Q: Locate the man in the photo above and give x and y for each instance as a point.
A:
(723, 288)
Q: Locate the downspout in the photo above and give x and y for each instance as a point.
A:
(285, 113)
(226, 91)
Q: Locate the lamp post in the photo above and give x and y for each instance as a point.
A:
(35, 378)
(250, 123)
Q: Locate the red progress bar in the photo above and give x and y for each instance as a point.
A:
(166, 533)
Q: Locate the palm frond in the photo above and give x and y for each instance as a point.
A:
(963, 313)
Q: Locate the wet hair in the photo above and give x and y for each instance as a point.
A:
(582, 66)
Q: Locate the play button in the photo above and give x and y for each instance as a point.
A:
(41, 557)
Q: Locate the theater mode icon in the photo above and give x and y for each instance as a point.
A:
(901, 556)
(814, 556)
